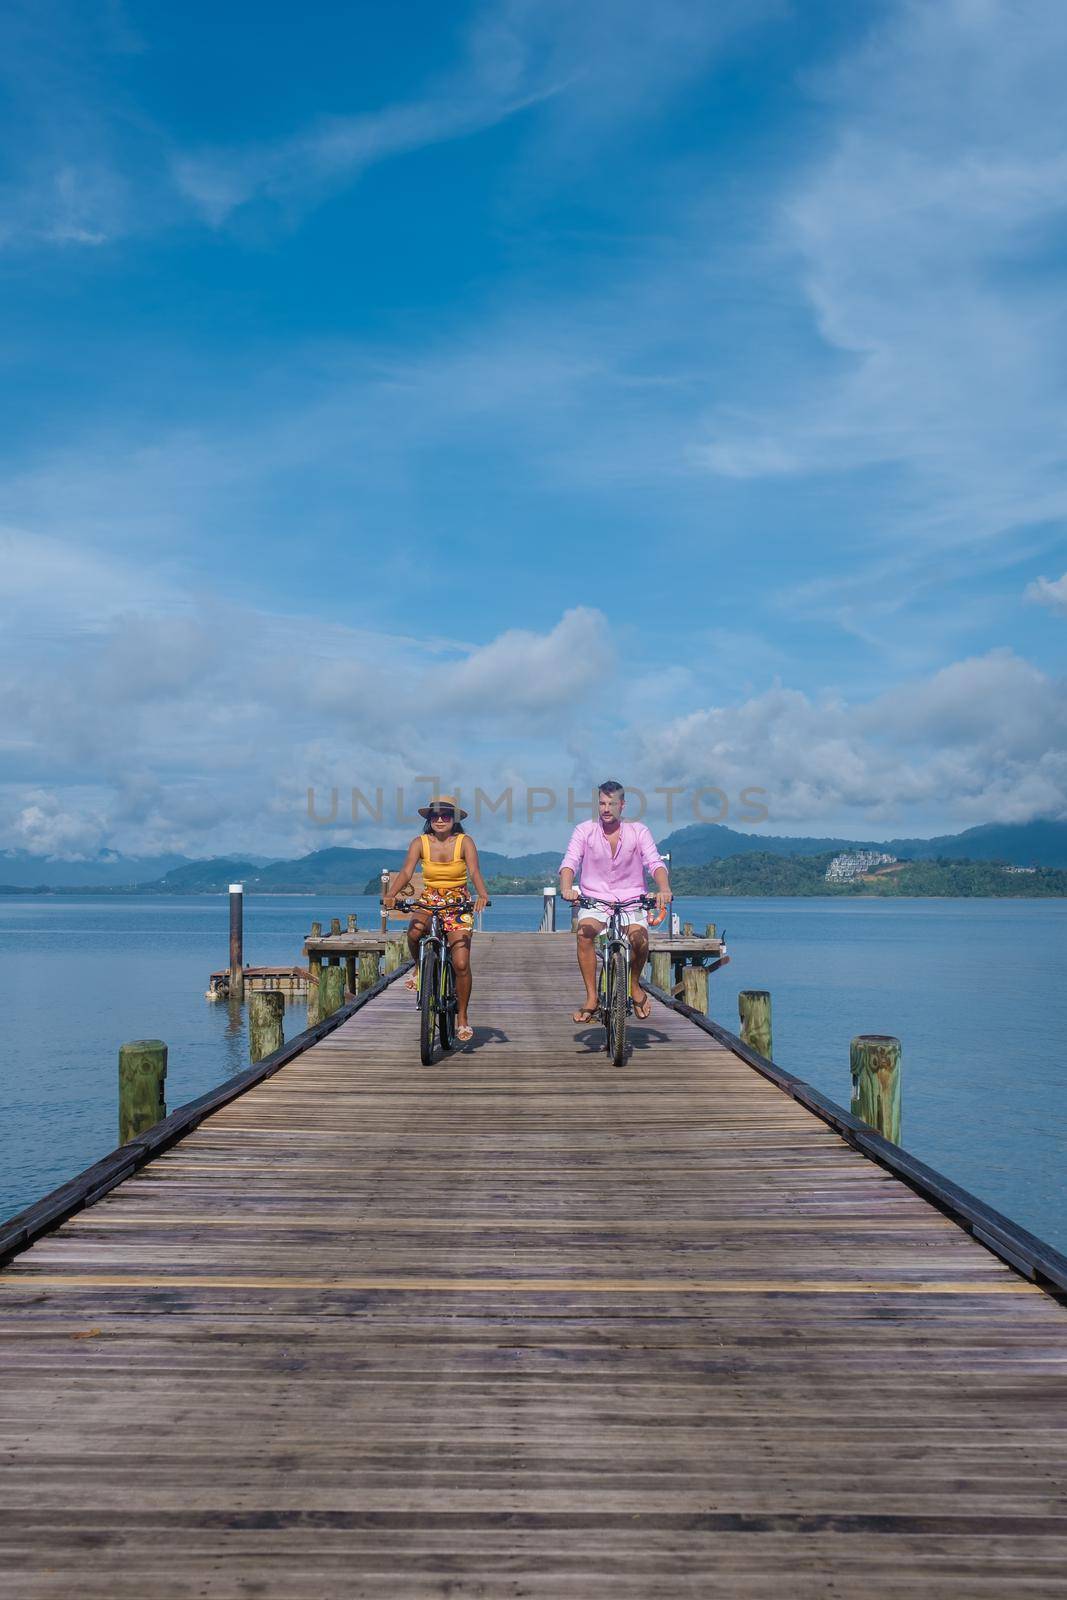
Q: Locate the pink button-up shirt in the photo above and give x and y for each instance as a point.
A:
(612, 877)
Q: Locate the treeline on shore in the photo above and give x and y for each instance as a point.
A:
(761, 873)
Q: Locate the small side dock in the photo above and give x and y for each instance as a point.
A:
(524, 1324)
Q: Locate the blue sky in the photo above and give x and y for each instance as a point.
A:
(524, 393)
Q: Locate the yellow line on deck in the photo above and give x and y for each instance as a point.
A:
(341, 1224)
(27, 1280)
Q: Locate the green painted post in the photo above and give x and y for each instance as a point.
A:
(368, 969)
(874, 1060)
(266, 1012)
(142, 1074)
(331, 991)
(754, 1009)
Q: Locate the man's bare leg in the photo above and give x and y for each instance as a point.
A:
(638, 937)
(586, 942)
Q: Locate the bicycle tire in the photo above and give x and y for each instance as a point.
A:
(446, 1011)
(616, 1007)
(428, 1005)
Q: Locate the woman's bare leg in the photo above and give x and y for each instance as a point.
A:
(459, 942)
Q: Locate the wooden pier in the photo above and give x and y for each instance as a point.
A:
(523, 1324)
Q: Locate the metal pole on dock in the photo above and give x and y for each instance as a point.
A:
(754, 1009)
(266, 1011)
(385, 887)
(237, 938)
(874, 1059)
(548, 915)
(142, 1074)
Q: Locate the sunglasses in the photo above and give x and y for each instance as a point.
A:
(447, 814)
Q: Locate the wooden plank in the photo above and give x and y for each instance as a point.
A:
(522, 1322)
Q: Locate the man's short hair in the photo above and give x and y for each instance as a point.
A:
(610, 786)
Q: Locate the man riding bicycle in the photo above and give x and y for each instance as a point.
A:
(612, 857)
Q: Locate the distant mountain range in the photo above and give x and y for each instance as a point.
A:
(1023, 844)
(1019, 844)
(21, 870)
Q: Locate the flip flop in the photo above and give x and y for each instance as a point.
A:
(465, 1033)
(411, 982)
(585, 1014)
(644, 1015)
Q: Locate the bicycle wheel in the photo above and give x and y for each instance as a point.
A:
(615, 1013)
(446, 1005)
(429, 982)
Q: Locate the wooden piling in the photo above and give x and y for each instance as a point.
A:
(335, 924)
(687, 930)
(695, 988)
(142, 1074)
(353, 922)
(237, 960)
(350, 974)
(754, 1009)
(331, 991)
(396, 953)
(661, 969)
(709, 931)
(368, 969)
(266, 1013)
(874, 1059)
(314, 978)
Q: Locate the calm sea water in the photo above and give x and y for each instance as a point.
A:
(974, 989)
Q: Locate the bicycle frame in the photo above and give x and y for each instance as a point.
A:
(613, 948)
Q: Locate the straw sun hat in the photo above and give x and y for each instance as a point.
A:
(443, 800)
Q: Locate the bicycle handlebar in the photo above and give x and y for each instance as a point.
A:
(409, 901)
(645, 900)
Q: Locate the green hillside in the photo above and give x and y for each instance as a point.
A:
(764, 874)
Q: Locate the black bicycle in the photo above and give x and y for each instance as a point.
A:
(614, 1004)
(435, 994)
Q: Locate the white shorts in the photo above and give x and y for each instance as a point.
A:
(637, 918)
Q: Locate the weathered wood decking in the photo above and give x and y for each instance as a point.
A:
(521, 1324)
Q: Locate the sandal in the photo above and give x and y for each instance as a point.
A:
(586, 1014)
(411, 982)
(465, 1033)
(644, 1015)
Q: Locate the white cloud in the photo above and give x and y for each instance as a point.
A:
(600, 62)
(1051, 592)
(922, 237)
(981, 740)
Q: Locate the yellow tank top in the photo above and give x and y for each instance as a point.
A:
(442, 875)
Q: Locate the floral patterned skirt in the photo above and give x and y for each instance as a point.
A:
(441, 899)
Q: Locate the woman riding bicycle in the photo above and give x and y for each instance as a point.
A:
(447, 855)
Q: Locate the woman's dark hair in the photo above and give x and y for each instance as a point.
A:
(457, 826)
